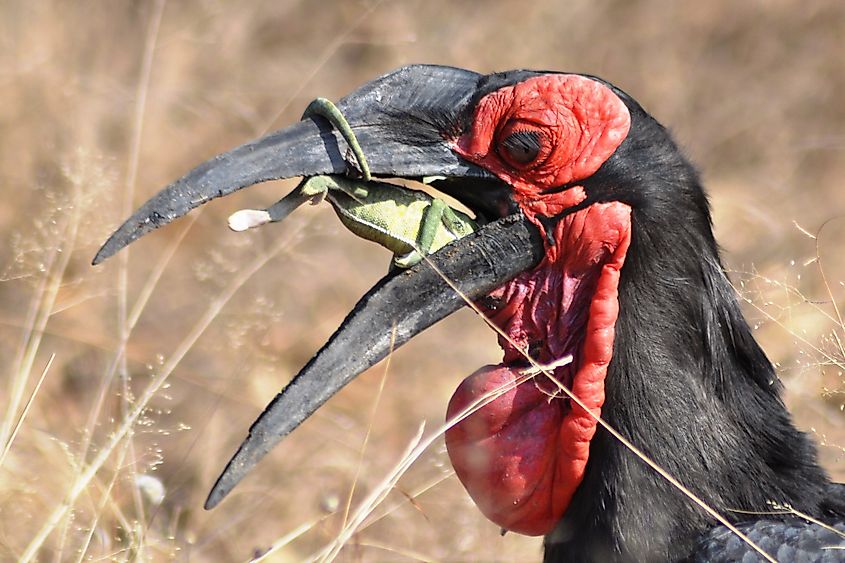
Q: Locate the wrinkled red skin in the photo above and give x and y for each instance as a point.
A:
(581, 123)
(522, 456)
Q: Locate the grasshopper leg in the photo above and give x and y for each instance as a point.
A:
(326, 108)
(251, 218)
(432, 219)
(451, 221)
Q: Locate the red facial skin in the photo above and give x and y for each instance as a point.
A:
(580, 121)
(522, 456)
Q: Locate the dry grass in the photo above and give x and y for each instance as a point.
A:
(162, 361)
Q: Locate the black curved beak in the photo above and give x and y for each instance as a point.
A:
(400, 119)
(403, 122)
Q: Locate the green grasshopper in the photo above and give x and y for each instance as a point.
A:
(409, 223)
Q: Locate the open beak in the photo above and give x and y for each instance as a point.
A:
(403, 122)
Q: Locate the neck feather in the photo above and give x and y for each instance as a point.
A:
(690, 386)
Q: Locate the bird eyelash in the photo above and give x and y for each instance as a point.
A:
(525, 136)
(524, 139)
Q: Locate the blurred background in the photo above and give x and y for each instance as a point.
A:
(126, 387)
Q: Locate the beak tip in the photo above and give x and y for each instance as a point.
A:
(101, 255)
(248, 454)
(214, 498)
(115, 242)
(221, 489)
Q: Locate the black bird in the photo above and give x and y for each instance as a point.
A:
(598, 245)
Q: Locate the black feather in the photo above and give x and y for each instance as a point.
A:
(787, 541)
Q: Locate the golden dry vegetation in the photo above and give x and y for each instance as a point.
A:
(155, 363)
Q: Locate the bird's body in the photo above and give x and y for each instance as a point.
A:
(788, 540)
(603, 251)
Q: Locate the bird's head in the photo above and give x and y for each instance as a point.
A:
(561, 168)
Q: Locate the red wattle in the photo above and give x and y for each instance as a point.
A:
(522, 456)
(505, 453)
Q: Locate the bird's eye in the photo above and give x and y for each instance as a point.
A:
(521, 147)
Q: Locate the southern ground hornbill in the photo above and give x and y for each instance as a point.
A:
(598, 245)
